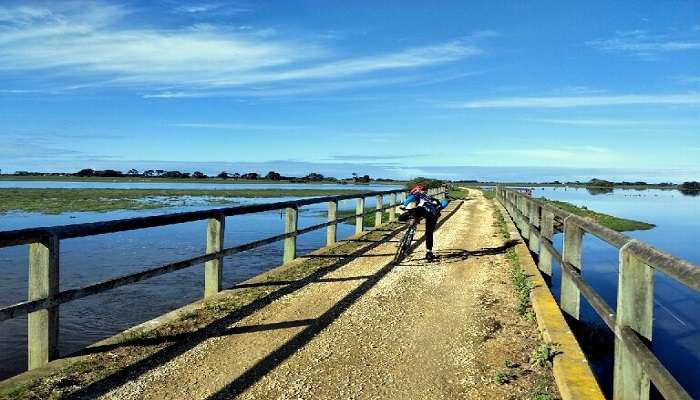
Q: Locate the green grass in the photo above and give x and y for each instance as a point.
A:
(368, 220)
(458, 193)
(56, 201)
(609, 221)
(543, 356)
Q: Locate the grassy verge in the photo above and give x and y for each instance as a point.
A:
(458, 193)
(56, 201)
(138, 345)
(609, 221)
(543, 355)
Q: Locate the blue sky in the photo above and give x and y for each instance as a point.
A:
(472, 90)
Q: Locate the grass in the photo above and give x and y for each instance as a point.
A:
(543, 356)
(609, 221)
(367, 221)
(522, 285)
(56, 201)
(458, 193)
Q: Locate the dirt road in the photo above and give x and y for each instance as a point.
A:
(368, 330)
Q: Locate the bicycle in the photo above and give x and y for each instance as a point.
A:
(405, 243)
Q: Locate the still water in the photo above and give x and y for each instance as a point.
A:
(676, 334)
(93, 259)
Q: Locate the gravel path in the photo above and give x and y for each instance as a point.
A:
(369, 331)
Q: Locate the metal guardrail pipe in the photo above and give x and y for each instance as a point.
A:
(633, 359)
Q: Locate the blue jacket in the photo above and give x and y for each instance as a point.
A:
(426, 202)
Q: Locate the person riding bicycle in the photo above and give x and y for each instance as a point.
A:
(427, 207)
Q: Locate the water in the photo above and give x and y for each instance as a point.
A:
(676, 333)
(93, 259)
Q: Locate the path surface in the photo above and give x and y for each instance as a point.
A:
(367, 330)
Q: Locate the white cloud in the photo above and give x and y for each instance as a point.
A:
(611, 122)
(87, 42)
(641, 43)
(581, 101)
(236, 126)
(552, 154)
(219, 8)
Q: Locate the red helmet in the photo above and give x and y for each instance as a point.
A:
(417, 189)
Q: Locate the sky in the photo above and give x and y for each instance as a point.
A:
(491, 90)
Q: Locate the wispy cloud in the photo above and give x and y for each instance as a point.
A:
(203, 8)
(238, 126)
(641, 43)
(612, 122)
(552, 154)
(88, 43)
(382, 157)
(280, 89)
(692, 99)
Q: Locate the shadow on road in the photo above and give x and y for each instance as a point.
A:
(275, 358)
(181, 343)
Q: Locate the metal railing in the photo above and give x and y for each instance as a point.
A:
(635, 366)
(44, 295)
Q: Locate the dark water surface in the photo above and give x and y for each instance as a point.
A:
(89, 260)
(676, 333)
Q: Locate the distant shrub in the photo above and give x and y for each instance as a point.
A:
(427, 182)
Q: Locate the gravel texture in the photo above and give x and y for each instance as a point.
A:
(368, 330)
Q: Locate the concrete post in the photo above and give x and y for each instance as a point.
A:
(392, 207)
(547, 230)
(571, 253)
(516, 215)
(378, 214)
(534, 234)
(42, 325)
(359, 219)
(290, 225)
(331, 231)
(525, 230)
(213, 269)
(635, 305)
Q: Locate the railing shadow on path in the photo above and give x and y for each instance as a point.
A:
(282, 353)
(182, 343)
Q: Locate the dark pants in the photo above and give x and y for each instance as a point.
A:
(430, 223)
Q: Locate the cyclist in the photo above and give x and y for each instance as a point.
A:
(427, 207)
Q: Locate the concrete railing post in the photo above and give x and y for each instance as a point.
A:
(516, 214)
(534, 243)
(213, 268)
(331, 231)
(378, 214)
(392, 207)
(525, 230)
(571, 254)
(547, 233)
(42, 325)
(359, 219)
(635, 305)
(291, 215)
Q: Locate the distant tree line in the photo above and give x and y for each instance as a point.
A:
(160, 173)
